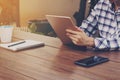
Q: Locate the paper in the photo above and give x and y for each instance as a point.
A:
(22, 44)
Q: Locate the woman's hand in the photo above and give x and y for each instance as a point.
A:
(79, 37)
(117, 4)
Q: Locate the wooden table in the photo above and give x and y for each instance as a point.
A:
(54, 61)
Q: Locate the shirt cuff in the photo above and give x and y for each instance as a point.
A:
(100, 44)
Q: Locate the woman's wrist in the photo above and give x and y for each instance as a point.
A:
(90, 42)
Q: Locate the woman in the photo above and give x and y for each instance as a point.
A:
(104, 18)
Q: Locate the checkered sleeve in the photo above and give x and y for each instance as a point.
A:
(107, 44)
(89, 26)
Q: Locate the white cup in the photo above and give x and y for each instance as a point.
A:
(6, 33)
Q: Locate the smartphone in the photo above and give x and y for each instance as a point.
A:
(91, 61)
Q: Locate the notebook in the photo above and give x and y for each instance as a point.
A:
(22, 44)
(60, 24)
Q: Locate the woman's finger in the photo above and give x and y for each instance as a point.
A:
(78, 29)
(73, 32)
(75, 36)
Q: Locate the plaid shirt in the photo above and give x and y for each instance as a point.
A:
(106, 21)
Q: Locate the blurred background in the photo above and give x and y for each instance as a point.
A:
(31, 13)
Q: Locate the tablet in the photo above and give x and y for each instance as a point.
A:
(59, 25)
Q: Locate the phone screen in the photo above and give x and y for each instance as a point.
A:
(91, 61)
